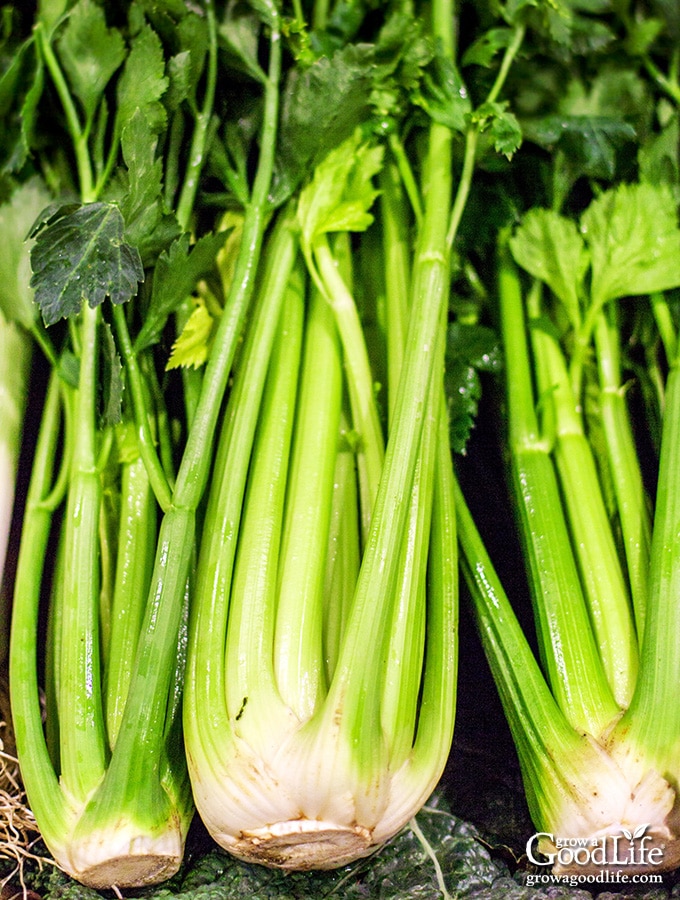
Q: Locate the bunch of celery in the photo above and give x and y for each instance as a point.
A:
(320, 688)
(595, 724)
(109, 525)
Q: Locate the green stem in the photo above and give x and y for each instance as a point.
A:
(195, 464)
(42, 786)
(407, 177)
(397, 266)
(668, 86)
(352, 695)
(157, 476)
(604, 584)
(365, 418)
(568, 650)
(198, 150)
(205, 680)
(664, 322)
(343, 555)
(78, 135)
(624, 465)
(298, 647)
(555, 759)
(136, 543)
(83, 752)
(251, 666)
(652, 721)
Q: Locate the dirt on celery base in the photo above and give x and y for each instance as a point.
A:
(129, 872)
(301, 845)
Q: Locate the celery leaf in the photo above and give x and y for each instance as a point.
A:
(21, 87)
(589, 143)
(111, 379)
(90, 52)
(80, 254)
(470, 349)
(148, 226)
(634, 240)
(549, 246)
(143, 81)
(321, 107)
(486, 47)
(239, 37)
(175, 276)
(192, 347)
(341, 193)
(444, 96)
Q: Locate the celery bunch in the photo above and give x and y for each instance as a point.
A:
(595, 723)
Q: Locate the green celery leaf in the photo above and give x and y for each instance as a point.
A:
(179, 80)
(470, 349)
(658, 156)
(21, 87)
(239, 35)
(505, 130)
(192, 347)
(90, 53)
(143, 81)
(444, 96)
(80, 254)
(148, 226)
(341, 193)
(69, 368)
(192, 34)
(111, 381)
(176, 9)
(175, 276)
(486, 47)
(641, 35)
(634, 241)
(549, 247)
(16, 217)
(321, 107)
(589, 143)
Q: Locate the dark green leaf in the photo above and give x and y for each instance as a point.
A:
(641, 35)
(484, 50)
(192, 34)
(81, 255)
(179, 79)
(506, 132)
(176, 9)
(111, 382)
(444, 96)
(239, 34)
(321, 107)
(658, 156)
(21, 87)
(471, 349)
(143, 81)
(148, 226)
(589, 143)
(90, 53)
(175, 276)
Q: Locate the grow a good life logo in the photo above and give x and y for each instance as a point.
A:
(638, 851)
